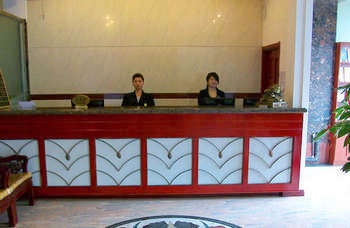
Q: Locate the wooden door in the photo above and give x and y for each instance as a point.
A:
(270, 66)
(338, 153)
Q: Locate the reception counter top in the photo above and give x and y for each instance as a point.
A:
(160, 151)
(138, 110)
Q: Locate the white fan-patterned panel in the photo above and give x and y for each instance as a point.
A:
(67, 162)
(27, 147)
(270, 160)
(169, 161)
(220, 160)
(118, 162)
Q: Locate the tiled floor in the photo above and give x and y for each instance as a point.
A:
(326, 204)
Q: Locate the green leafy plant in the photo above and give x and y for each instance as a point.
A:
(342, 125)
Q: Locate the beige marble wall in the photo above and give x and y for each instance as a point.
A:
(96, 45)
(279, 26)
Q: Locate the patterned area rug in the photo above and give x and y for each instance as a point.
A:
(173, 221)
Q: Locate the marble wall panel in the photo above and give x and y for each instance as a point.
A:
(166, 69)
(321, 79)
(144, 22)
(66, 23)
(95, 46)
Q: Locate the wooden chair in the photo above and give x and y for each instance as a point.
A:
(15, 181)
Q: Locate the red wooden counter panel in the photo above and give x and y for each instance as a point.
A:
(158, 125)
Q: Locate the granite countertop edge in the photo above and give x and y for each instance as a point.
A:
(156, 110)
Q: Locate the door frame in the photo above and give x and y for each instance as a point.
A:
(267, 49)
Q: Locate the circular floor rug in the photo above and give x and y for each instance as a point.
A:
(173, 221)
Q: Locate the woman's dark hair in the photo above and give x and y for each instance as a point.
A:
(214, 75)
(137, 75)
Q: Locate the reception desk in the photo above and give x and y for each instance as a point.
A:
(160, 151)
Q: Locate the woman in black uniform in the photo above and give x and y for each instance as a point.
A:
(211, 95)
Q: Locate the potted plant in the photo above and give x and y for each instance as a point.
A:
(342, 125)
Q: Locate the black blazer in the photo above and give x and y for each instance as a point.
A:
(205, 99)
(146, 100)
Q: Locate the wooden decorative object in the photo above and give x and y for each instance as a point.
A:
(4, 99)
(80, 101)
